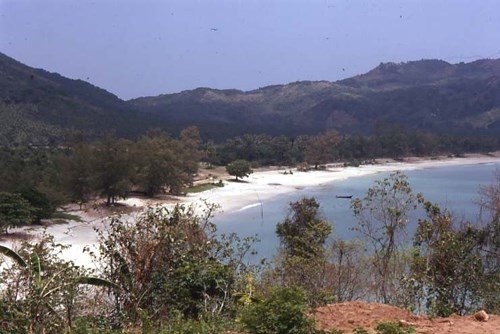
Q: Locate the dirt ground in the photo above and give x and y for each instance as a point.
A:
(347, 316)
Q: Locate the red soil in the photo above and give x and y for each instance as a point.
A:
(347, 316)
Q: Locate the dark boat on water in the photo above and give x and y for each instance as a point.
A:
(344, 196)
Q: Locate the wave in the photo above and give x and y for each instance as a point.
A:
(248, 207)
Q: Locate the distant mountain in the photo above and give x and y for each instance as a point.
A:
(432, 95)
(428, 94)
(38, 106)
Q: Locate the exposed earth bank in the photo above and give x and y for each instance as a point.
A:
(350, 315)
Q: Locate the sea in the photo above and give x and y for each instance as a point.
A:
(452, 187)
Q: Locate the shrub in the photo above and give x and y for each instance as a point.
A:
(188, 326)
(284, 311)
(239, 169)
(393, 328)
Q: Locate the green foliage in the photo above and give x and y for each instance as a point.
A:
(389, 141)
(393, 328)
(334, 331)
(42, 206)
(303, 232)
(239, 169)
(41, 292)
(283, 311)
(360, 330)
(164, 163)
(65, 216)
(181, 325)
(204, 187)
(14, 211)
(78, 166)
(170, 262)
(112, 168)
(448, 271)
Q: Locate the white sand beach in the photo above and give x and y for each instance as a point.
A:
(264, 185)
(258, 187)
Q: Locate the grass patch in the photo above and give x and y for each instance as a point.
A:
(204, 187)
(66, 216)
(393, 328)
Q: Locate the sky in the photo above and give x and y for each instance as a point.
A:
(143, 48)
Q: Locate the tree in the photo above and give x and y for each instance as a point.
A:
(320, 149)
(447, 266)
(190, 153)
(42, 206)
(113, 168)
(78, 178)
(302, 259)
(303, 232)
(489, 203)
(383, 216)
(239, 169)
(14, 211)
(349, 271)
(154, 159)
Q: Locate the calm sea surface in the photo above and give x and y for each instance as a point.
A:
(455, 188)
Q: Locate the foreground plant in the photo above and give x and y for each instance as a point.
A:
(39, 292)
(283, 311)
(169, 262)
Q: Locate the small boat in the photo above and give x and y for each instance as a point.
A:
(344, 196)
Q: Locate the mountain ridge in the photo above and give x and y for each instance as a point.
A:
(430, 95)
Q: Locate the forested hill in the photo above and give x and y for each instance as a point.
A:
(431, 95)
(38, 106)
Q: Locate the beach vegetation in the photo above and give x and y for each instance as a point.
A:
(15, 211)
(321, 149)
(239, 169)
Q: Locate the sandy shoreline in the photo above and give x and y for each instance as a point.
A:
(234, 196)
(265, 185)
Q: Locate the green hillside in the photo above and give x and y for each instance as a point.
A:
(38, 106)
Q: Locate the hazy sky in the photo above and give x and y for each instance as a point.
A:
(137, 48)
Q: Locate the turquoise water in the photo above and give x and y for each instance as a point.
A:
(455, 188)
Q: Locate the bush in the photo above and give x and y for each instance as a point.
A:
(188, 326)
(284, 311)
(43, 207)
(393, 328)
(239, 169)
(359, 330)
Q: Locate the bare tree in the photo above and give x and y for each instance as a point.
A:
(383, 216)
